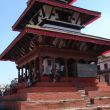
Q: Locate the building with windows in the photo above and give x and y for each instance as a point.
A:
(104, 66)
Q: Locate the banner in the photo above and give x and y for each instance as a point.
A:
(86, 70)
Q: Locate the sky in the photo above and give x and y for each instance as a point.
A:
(10, 10)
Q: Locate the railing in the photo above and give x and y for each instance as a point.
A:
(106, 71)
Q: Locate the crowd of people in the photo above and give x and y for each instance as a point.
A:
(33, 77)
(53, 70)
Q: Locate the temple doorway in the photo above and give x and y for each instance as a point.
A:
(71, 65)
(60, 66)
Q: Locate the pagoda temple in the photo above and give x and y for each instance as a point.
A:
(57, 64)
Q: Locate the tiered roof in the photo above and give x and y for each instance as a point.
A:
(22, 41)
(74, 40)
(87, 16)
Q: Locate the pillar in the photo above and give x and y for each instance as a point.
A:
(66, 67)
(26, 73)
(18, 74)
(36, 66)
(22, 74)
(30, 70)
(40, 66)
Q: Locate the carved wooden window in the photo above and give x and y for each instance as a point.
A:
(63, 16)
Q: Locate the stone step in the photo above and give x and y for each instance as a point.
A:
(46, 96)
(100, 97)
(82, 95)
(53, 96)
(42, 105)
(102, 84)
(91, 88)
(94, 94)
(106, 107)
(47, 89)
(101, 101)
(14, 97)
(88, 102)
(88, 84)
(98, 87)
(42, 96)
(48, 84)
(65, 105)
(104, 88)
(81, 91)
(54, 84)
(63, 79)
(52, 105)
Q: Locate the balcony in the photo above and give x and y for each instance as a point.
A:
(106, 71)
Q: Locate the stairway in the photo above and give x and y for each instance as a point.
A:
(42, 100)
(58, 96)
(44, 95)
(85, 96)
(49, 87)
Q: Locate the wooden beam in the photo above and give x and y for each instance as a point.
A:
(78, 18)
(51, 12)
(84, 20)
(71, 16)
(43, 12)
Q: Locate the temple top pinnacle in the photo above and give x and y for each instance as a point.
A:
(61, 1)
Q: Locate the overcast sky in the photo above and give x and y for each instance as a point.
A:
(10, 10)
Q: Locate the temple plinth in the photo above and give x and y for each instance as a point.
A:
(57, 64)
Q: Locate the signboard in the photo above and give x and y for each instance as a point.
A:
(86, 70)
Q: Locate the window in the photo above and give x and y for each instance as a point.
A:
(105, 66)
(63, 15)
(98, 67)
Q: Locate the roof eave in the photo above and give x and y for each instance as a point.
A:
(106, 52)
(53, 34)
(89, 22)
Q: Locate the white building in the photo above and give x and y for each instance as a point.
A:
(104, 66)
